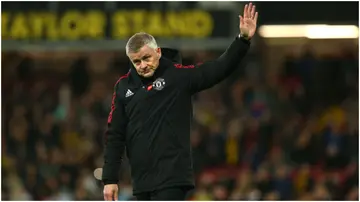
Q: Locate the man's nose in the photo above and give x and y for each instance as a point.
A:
(143, 65)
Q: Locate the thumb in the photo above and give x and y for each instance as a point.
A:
(116, 195)
(241, 19)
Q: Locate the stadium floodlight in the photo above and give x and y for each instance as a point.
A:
(319, 31)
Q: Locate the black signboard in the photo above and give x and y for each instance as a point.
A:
(335, 13)
(71, 21)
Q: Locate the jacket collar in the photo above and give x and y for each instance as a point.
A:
(169, 56)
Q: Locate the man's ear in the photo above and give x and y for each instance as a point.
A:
(158, 51)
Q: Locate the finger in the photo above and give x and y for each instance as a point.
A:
(245, 11)
(108, 196)
(249, 10)
(116, 195)
(252, 12)
(256, 17)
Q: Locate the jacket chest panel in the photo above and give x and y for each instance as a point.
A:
(150, 97)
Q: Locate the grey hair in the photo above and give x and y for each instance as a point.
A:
(139, 40)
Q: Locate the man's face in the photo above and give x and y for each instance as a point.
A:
(146, 60)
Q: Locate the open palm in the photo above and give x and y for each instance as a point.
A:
(248, 21)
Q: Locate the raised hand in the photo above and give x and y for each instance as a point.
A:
(111, 192)
(248, 21)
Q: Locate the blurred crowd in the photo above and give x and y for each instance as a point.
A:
(293, 136)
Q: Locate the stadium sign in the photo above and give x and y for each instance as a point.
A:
(72, 25)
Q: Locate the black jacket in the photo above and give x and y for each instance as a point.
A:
(152, 118)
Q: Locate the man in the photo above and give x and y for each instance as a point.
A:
(151, 114)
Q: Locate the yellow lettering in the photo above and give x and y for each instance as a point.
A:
(4, 24)
(166, 30)
(75, 25)
(138, 20)
(71, 25)
(36, 25)
(51, 26)
(176, 24)
(201, 24)
(154, 24)
(120, 26)
(188, 18)
(19, 28)
(96, 24)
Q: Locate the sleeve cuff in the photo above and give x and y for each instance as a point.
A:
(240, 36)
(110, 182)
(243, 39)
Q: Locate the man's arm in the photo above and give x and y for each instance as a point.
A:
(206, 75)
(114, 140)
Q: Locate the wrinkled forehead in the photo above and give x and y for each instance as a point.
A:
(140, 53)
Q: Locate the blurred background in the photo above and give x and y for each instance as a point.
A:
(284, 126)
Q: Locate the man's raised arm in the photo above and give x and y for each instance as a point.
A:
(206, 75)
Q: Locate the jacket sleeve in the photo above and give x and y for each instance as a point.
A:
(208, 74)
(114, 140)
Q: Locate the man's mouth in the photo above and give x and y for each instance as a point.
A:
(147, 70)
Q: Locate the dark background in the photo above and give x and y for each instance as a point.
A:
(284, 126)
